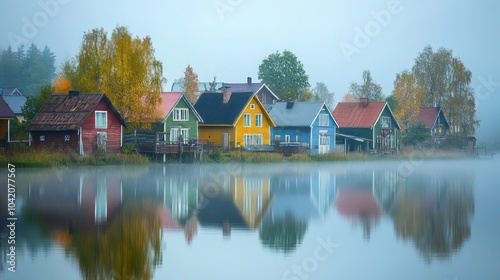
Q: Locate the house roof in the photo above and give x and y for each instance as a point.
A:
(300, 114)
(429, 116)
(219, 210)
(8, 91)
(213, 111)
(356, 114)
(249, 87)
(168, 102)
(5, 111)
(68, 112)
(177, 87)
(15, 102)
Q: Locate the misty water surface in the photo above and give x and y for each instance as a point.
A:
(376, 220)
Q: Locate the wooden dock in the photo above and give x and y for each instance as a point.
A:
(153, 143)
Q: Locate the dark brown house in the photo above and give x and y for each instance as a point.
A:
(78, 122)
(435, 121)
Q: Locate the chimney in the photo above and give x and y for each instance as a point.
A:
(226, 94)
(73, 93)
(289, 104)
(364, 102)
(249, 80)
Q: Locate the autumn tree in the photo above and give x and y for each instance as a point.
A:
(190, 85)
(62, 85)
(348, 97)
(321, 93)
(124, 68)
(284, 74)
(446, 82)
(409, 97)
(368, 89)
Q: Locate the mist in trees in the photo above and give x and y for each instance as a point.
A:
(28, 70)
(367, 89)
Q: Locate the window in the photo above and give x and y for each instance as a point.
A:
(66, 138)
(185, 135)
(101, 119)
(252, 106)
(253, 139)
(296, 138)
(258, 120)
(324, 120)
(385, 122)
(247, 120)
(277, 137)
(42, 138)
(181, 114)
(287, 138)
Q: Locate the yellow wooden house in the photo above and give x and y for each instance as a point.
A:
(6, 116)
(233, 120)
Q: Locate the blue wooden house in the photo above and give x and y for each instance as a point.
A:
(309, 123)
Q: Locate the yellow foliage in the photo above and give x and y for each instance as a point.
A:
(409, 97)
(62, 85)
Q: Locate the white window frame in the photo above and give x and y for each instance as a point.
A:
(287, 138)
(181, 114)
(324, 120)
(277, 137)
(252, 106)
(67, 138)
(384, 120)
(185, 135)
(42, 138)
(247, 120)
(258, 120)
(97, 124)
(252, 139)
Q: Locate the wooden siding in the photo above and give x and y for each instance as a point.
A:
(214, 134)
(89, 134)
(330, 131)
(304, 133)
(192, 123)
(55, 140)
(4, 126)
(241, 130)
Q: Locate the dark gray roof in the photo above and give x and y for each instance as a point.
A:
(5, 111)
(244, 87)
(299, 115)
(213, 111)
(16, 103)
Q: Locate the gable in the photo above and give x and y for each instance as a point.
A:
(259, 109)
(388, 113)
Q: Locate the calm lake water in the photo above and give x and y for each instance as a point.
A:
(377, 220)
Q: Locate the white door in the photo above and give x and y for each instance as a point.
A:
(324, 142)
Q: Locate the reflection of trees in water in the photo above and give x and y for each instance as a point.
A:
(129, 248)
(435, 214)
(283, 234)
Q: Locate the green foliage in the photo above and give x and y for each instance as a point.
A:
(321, 93)
(34, 103)
(392, 102)
(416, 134)
(130, 149)
(284, 74)
(27, 70)
(368, 89)
(18, 130)
(212, 86)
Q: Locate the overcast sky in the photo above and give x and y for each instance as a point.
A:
(335, 40)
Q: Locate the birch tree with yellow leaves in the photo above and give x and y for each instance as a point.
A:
(409, 96)
(124, 68)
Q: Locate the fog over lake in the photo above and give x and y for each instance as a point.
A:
(408, 219)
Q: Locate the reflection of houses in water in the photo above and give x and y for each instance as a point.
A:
(302, 195)
(364, 195)
(76, 200)
(234, 201)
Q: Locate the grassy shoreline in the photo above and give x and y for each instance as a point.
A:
(25, 157)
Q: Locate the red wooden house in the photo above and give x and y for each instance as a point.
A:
(78, 122)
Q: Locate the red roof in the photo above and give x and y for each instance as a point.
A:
(355, 114)
(428, 116)
(168, 101)
(357, 204)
